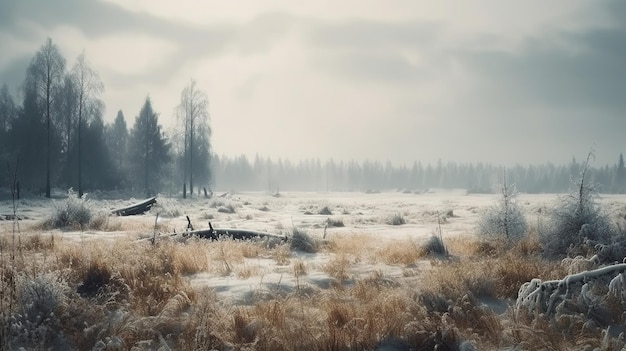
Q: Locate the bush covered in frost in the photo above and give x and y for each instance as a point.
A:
(396, 219)
(505, 219)
(71, 212)
(576, 224)
(40, 300)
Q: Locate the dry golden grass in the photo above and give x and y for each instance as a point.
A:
(401, 252)
(138, 294)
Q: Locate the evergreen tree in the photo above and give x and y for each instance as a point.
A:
(26, 140)
(116, 140)
(620, 176)
(149, 151)
(8, 113)
(97, 162)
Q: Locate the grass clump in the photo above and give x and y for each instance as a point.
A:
(434, 246)
(401, 252)
(301, 241)
(396, 219)
(326, 211)
(335, 222)
(75, 213)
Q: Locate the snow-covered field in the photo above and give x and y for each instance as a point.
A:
(370, 270)
(364, 217)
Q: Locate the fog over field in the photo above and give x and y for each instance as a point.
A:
(280, 175)
(399, 81)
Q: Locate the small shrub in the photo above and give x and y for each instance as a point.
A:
(504, 220)
(40, 299)
(335, 222)
(578, 220)
(95, 278)
(396, 219)
(302, 241)
(434, 246)
(167, 207)
(229, 208)
(74, 212)
(325, 211)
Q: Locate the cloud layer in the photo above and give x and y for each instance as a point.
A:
(403, 81)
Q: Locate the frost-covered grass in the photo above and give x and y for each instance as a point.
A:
(136, 293)
(363, 287)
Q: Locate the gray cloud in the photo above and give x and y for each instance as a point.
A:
(561, 86)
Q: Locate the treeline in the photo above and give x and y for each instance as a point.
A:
(264, 174)
(54, 136)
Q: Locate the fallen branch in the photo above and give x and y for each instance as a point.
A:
(545, 296)
(137, 208)
(234, 233)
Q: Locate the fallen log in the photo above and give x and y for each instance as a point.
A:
(233, 233)
(135, 209)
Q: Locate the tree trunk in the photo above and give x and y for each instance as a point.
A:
(146, 187)
(191, 153)
(80, 169)
(48, 135)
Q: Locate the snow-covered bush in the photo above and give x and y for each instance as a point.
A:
(503, 220)
(40, 299)
(396, 219)
(73, 212)
(589, 300)
(577, 224)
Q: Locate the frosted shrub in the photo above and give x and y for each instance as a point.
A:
(577, 221)
(40, 299)
(504, 220)
(396, 219)
(70, 213)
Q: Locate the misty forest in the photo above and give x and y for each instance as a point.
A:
(117, 233)
(53, 134)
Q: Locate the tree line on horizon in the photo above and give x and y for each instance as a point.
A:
(55, 135)
(264, 174)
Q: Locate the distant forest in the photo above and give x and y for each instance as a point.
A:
(240, 173)
(52, 135)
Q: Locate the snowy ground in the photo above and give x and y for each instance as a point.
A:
(365, 216)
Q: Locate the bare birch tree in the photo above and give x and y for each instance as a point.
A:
(89, 87)
(46, 72)
(193, 114)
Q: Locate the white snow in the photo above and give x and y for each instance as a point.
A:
(363, 215)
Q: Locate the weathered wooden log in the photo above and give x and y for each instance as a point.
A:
(135, 209)
(233, 233)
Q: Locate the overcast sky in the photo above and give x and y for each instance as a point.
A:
(493, 81)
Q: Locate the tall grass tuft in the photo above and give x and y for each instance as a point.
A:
(396, 219)
(434, 246)
(301, 241)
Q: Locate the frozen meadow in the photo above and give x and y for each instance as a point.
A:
(362, 238)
